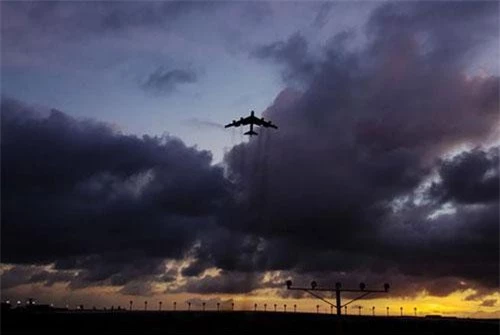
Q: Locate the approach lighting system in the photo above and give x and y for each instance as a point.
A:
(313, 285)
(338, 289)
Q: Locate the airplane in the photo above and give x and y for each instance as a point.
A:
(251, 120)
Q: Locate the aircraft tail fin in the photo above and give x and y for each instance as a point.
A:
(250, 133)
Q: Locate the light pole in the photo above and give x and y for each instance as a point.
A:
(338, 289)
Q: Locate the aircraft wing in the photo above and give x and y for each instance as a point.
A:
(267, 124)
(251, 120)
(233, 124)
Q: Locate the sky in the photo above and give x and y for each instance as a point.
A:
(120, 183)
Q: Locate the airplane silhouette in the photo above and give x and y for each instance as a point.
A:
(251, 120)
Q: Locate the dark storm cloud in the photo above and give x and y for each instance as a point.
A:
(231, 282)
(195, 269)
(79, 194)
(139, 288)
(322, 14)
(78, 20)
(471, 177)
(20, 274)
(447, 29)
(115, 269)
(331, 194)
(460, 244)
(133, 14)
(488, 303)
(293, 53)
(50, 278)
(476, 296)
(163, 81)
(365, 133)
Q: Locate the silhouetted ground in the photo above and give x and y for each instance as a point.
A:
(125, 322)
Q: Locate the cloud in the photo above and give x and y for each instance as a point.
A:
(365, 132)
(79, 20)
(231, 282)
(458, 244)
(322, 14)
(163, 81)
(81, 195)
(27, 274)
(339, 192)
(293, 53)
(139, 288)
(471, 177)
(94, 36)
(488, 303)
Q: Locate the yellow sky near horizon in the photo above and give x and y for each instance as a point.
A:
(454, 304)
